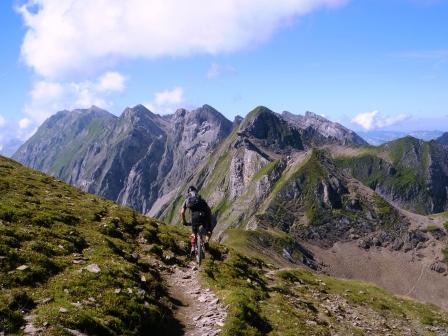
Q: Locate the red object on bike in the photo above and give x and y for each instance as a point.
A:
(193, 240)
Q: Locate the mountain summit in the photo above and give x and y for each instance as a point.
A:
(133, 159)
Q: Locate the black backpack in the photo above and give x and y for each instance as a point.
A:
(200, 211)
(196, 203)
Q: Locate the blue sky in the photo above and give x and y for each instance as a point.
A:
(369, 64)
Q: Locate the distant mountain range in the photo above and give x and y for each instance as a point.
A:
(287, 187)
(379, 137)
(9, 147)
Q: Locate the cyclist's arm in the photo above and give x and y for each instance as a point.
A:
(182, 213)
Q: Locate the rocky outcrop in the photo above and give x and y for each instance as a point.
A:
(318, 203)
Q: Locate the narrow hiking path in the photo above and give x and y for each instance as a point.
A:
(198, 309)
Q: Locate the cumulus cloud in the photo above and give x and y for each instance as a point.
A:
(218, 70)
(167, 101)
(111, 81)
(375, 120)
(66, 37)
(24, 123)
(170, 97)
(48, 97)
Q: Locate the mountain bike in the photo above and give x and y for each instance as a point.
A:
(199, 241)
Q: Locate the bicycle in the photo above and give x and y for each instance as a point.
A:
(199, 244)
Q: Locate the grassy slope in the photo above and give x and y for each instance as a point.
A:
(47, 225)
(383, 166)
(297, 302)
(55, 232)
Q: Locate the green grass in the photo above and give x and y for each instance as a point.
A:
(61, 166)
(308, 176)
(408, 182)
(240, 283)
(57, 231)
(266, 170)
(295, 301)
(54, 231)
(266, 245)
(221, 207)
(218, 174)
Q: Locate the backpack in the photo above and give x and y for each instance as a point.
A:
(199, 208)
(196, 203)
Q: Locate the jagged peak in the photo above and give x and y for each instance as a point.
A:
(252, 115)
(259, 110)
(325, 127)
(139, 111)
(312, 115)
(209, 107)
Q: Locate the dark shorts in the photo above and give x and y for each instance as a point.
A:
(198, 219)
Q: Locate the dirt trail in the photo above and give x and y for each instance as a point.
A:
(198, 309)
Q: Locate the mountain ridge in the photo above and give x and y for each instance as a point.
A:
(286, 191)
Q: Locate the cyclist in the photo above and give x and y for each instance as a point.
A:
(200, 215)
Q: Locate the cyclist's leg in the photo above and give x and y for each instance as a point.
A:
(193, 237)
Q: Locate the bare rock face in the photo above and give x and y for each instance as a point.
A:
(133, 159)
(319, 130)
(191, 137)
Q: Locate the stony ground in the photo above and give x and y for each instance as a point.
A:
(197, 308)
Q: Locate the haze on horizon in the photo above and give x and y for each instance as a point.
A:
(370, 65)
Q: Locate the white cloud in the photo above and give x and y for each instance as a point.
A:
(374, 120)
(24, 123)
(66, 37)
(111, 81)
(45, 90)
(166, 101)
(48, 97)
(2, 121)
(170, 97)
(217, 70)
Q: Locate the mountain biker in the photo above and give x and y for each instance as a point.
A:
(200, 215)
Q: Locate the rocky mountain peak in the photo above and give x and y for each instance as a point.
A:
(270, 130)
(320, 130)
(313, 116)
(137, 112)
